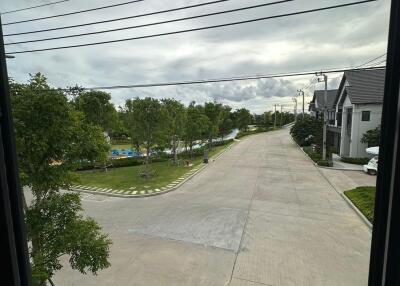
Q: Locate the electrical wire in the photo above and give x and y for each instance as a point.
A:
(194, 29)
(151, 24)
(219, 80)
(117, 19)
(72, 13)
(370, 61)
(33, 7)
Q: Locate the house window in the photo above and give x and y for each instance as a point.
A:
(365, 115)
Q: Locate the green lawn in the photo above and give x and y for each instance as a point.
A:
(364, 199)
(126, 177)
(121, 146)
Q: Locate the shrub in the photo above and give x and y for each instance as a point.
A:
(356, 161)
(258, 130)
(325, 163)
(307, 131)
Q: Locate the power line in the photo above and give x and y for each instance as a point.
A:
(33, 7)
(118, 19)
(370, 61)
(194, 29)
(152, 24)
(72, 13)
(219, 80)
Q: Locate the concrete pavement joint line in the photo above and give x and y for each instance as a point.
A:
(261, 283)
(349, 203)
(245, 225)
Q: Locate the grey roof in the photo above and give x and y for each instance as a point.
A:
(319, 98)
(365, 86)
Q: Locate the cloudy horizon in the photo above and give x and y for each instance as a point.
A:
(338, 38)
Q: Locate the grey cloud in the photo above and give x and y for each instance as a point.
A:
(336, 38)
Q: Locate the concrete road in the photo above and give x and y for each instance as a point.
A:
(261, 214)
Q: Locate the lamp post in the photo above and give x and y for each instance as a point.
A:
(325, 80)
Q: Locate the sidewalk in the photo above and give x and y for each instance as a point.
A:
(339, 165)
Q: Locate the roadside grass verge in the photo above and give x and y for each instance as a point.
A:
(121, 146)
(364, 199)
(316, 157)
(127, 177)
(242, 134)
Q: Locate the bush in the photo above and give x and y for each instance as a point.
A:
(258, 130)
(316, 156)
(307, 131)
(356, 161)
(325, 163)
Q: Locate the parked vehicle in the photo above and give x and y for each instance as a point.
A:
(372, 166)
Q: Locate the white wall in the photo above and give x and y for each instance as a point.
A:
(345, 141)
(357, 149)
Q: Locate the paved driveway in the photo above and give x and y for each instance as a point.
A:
(261, 214)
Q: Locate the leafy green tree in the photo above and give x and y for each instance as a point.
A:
(98, 109)
(57, 228)
(147, 119)
(308, 130)
(226, 122)
(176, 120)
(213, 111)
(52, 138)
(372, 137)
(196, 125)
(243, 118)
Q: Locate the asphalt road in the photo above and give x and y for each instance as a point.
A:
(261, 214)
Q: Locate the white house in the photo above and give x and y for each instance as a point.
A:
(358, 107)
(317, 104)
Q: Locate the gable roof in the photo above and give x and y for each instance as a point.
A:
(318, 98)
(365, 86)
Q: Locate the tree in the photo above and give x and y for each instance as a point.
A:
(57, 228)
(147, 119)
(176, 119)
(308, 130)
(226, 123)
(213, 111)
(372, 137)
(196, 125)
(52, 138)
(243, 118)
(98, 109)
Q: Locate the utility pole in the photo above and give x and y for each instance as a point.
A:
(281, 115)
(275, 117)
(295, 108)
(300, 91)
(325, 80)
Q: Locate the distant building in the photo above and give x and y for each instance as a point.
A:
(358, 108)
(316, 106)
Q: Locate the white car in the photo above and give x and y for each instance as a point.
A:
(372, 166)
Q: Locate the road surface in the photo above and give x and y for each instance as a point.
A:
(262, 214)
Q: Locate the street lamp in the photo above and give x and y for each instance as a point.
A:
(325, 80)
(10, 57)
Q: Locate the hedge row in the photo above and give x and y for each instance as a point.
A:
(356, 161)
(258, 130)
(129, 162)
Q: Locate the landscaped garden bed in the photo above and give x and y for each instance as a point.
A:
(364, 199)
(128, 178)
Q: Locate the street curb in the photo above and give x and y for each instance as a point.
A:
(322, 167)
(346, 199)
(203, 166)
(359, 213)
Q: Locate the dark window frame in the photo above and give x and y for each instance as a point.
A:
(367, 114)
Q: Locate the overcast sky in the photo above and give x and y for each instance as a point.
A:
(343, 37)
